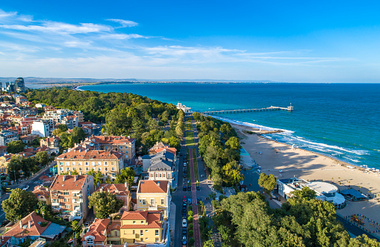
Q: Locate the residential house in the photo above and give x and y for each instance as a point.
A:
(161, 170)
(120, 190)
(3, 150)
(69, 195)
(141, 227)
(163, 155)
(33, 227)
(153, 195)
(102, 232)
(82, 161)
(42, 193)
(4, 161)
(52, 143)
(122, 144)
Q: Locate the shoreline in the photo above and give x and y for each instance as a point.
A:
(284, 161)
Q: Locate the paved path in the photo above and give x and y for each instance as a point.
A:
(197, 235)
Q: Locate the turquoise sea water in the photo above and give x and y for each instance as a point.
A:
(339, 120)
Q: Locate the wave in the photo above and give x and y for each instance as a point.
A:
(252, 125)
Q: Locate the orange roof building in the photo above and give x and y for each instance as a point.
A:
(141, 227)
(32, 227)
(82, 161)
(153, 195)
(69, 195)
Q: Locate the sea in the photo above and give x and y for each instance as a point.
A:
(338, 120)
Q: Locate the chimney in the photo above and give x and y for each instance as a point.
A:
(20, 224)
(29, 224)
(64, 178)
(75, 178)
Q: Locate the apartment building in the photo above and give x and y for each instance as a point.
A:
(153, 195)
(82, 161)
(69, 195)
(64, 116)
(52, 143)
(7, 136)
(141, 227)
(161, 170)
(43, 128)
(122, 144)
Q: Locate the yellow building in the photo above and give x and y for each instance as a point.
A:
(153, 195)
(82, 161)
(4, 161)
(141, 227)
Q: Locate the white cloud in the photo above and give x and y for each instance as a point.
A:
(121, 36)
(124, 23)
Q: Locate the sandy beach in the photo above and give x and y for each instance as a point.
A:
(284, 162)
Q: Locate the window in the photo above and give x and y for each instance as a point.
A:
(67, 206)
(160, 174)
(99, 168)
(156, 233)
(163, 175)
(106, 163)
(111, 163)
(157, 239)
(80, 168)
(79, 163)
(141, 232)
(73, 168)
(66, 193)
(67, 163)
(146, 230)
(61, 169)
(105, 169)
(99, 164)
(61, 163)
(73, 163)
(162, 201)
(134, 222)
(152, 202)
(133, 232)
(86, 163)
(90, 241)
(151, 174)
(67, 169)
(143, 202)
(86, 168)
(93, 163)
(113, 168)
(142, 222)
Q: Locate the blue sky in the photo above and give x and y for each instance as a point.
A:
(287, 41)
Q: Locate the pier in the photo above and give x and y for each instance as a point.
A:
(270, 108)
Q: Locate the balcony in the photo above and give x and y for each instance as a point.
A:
(55, 204)
(77, 200)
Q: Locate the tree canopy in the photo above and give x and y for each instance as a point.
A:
(19, 204)
(15, 147)
(105, 204)
(126, 175)
(268, 183)
(246, 219)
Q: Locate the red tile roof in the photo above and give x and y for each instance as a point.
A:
(153, 219)
(117, 189)
(91, 154)
(111, 139)
(153, 186)
(35, 228)
(97, 230)
(66, 182)
(171, 150)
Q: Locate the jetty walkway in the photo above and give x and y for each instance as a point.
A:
(271, 108)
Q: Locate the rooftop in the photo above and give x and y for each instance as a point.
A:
(153, 186)
(68, 182)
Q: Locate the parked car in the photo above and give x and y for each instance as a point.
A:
(184, 223)
(189, 200)
(26, 188)
(198, 188)
(184, 231)
(189, 188)
(184, 188)
(184, 199)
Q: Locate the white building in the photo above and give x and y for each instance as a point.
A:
(42, 128)
(324, 191)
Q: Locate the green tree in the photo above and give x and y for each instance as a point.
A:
(208, 243)
(126, 175)
(77, 228)
(42, 158)
(305, 192)
(231, 174)
(14, 167)
(98, 177)
(19, 204)
(15, 147)
(105, 204)
(77, 135)
(266, 182)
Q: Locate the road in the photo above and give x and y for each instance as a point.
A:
(194, 194)
(32, 182)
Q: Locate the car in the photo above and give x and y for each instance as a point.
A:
(198, 188)
(184, 223)
(184, 199)
(26, 188)
(189, 188)
(184, 231)
(184, 242)
(184, 214)
(184, 188)
(189, 200)
(184, 175)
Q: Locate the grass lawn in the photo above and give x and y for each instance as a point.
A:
(196, 175)
(189, 138)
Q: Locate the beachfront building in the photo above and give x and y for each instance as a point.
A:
(121, 144)
(324, 191)
(109, 163)
(141, 227)
(69, 195)
(32, 227)
(153, 195)
(121, 191)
